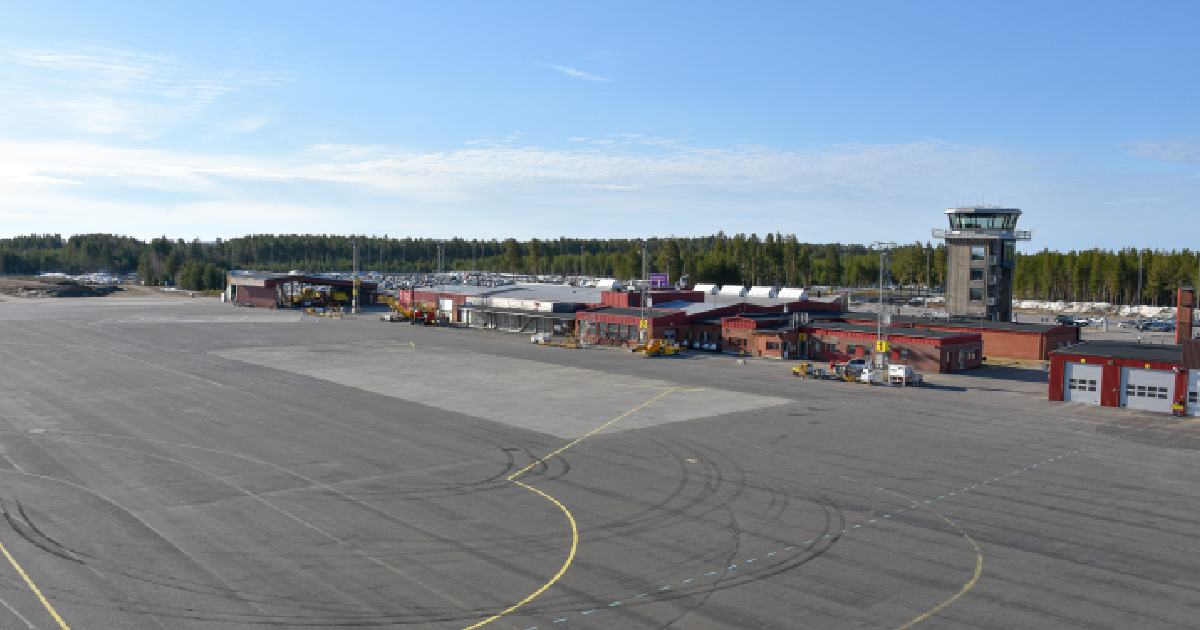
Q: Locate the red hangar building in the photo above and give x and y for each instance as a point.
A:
(1150, 377)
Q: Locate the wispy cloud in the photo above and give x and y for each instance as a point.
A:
(249, 124)
(632, 189)
(113, 91)
(1173, 150)
(576, 73)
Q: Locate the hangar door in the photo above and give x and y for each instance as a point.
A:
(1193, 393)
(1147, 389)
(1081, 383)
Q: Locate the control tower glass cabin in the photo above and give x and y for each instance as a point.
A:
(981, 251)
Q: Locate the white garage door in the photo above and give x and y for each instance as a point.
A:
(1193, 393)
(1081, 383)
(1147, 389)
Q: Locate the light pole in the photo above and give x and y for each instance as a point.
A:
(880, 342)
(928, 268)
(1138, 298)
(642, 320)
(354, 277)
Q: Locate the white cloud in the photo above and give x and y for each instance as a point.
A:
(576, 73)
(110, 91)
(462, 191)
(248, 125)
(847, 193)
(1174, 150)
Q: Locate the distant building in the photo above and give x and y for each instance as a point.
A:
(980, 255)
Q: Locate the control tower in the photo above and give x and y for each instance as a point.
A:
(981, 250)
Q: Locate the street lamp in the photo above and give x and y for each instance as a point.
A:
(880, 342)
(1138, 298)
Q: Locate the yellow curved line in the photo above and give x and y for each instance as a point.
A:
(561, 570)
(970, 584)
(566, 512)
(33, 587)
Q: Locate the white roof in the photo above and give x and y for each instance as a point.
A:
(706, 288)
(759, 291)
(792, 292)
(608, 284)
(733, 289)
(525, 291)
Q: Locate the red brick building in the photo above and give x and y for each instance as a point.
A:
(1000, 339)
(925, 350)
(629, 299)
(1149, 377)
(621, 326)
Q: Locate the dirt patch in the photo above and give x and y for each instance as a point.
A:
(36, 288)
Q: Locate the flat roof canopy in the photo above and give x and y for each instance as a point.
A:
(262, 279)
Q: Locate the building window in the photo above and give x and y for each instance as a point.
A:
(851, 349)
(1192, 397)
(978, 252)
(1145, 391)
(976, 294)
(1081, 384)
(772, 345)
(977, 273)
(903, 353)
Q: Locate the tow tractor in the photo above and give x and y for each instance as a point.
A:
(657, 348)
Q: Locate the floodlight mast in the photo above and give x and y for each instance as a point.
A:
(884, 247)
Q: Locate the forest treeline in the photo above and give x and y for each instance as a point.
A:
(1087, 275)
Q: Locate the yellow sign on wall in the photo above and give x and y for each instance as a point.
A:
(643, 323)
(882, 345)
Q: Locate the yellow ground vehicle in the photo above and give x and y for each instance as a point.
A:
(658, 348)
(804, 370)
(402, 313)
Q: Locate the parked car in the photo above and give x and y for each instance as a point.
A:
(1070, 320)
(856, 366)
(1157, 326)
(1128, 323)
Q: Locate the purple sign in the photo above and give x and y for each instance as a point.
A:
(659, 281)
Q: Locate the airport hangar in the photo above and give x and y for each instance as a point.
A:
(1152, 377)
(276, 290)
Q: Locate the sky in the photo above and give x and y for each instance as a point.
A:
(835, 121)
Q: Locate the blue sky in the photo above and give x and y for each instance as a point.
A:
(835, 121)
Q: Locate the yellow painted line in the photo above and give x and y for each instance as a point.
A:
(966, 587)
(33, 587)
(562, 570)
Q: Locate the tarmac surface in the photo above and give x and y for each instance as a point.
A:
(178, 463)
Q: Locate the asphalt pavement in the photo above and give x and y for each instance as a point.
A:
(179, 463)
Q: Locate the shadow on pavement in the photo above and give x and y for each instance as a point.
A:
(1025, 375)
